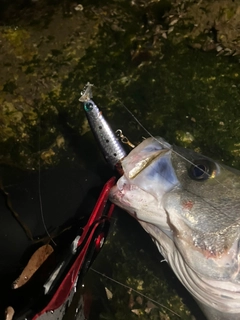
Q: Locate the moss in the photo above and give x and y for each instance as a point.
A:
(17, 38)
(9, 87)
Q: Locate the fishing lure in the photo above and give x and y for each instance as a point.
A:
(110, 145)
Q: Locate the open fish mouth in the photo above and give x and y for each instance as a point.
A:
(148, 175)
(189, 204)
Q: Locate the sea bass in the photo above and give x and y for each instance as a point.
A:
(190, 206)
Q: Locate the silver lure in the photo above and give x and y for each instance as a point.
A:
(111, 147)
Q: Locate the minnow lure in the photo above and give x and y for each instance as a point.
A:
(110, 145)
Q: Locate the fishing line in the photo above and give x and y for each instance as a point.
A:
(161, 143)
(141, 294)
(149, 133)
(166, 146)
(181, 156)
(39, 190)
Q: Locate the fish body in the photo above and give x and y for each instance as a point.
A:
(189, 204)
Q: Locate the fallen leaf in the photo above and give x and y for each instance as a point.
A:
(136, 311)
(36, 260)
(108, 293)
(9, 313)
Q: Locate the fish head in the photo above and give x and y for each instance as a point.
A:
(189, 204)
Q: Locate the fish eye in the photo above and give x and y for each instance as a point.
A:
(201, 170)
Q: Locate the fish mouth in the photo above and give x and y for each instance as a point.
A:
(148, 175)
(129, 181)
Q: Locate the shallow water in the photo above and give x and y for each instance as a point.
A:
(188, 96)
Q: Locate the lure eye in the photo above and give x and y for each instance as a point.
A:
(88, 106)
(201, 170)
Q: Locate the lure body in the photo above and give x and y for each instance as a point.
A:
(111, 147)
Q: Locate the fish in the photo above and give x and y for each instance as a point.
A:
(190, 206)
